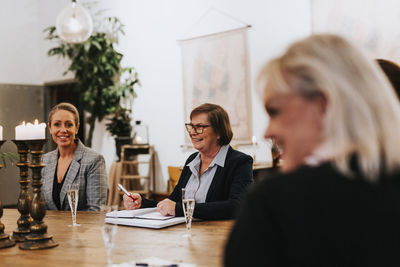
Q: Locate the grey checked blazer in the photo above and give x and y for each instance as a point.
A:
(87, 168)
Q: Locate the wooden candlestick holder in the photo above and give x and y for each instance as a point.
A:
(24, 199)
(38, 237)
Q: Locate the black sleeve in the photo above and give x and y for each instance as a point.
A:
(252, 240)
(148, 203)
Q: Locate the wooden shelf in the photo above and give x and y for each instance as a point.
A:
(134, 176)
(131, 161)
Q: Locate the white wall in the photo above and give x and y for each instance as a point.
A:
(19, 39)
(150, 45)
(50, 68)
(23, 48)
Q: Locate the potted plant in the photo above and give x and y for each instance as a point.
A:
(120, 127)
(97, 69)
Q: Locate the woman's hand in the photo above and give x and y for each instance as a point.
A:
(131, 204)
(166, 207)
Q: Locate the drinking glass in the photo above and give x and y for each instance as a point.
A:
(109, 231)
(73, 197)
(188, 204)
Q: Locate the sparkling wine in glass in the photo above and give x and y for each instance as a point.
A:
(73, 196)
(188, 203)
(109, 231)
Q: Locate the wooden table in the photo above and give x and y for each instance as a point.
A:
(84, 246)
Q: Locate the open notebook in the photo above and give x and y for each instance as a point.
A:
(147, 217)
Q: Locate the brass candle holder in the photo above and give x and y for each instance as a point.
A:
(5, 241)
(24, 199)
(38, 237)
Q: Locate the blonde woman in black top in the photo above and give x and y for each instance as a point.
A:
(337, 201)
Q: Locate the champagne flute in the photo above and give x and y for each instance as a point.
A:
(188, 203)
(109, 231)
(73, 197)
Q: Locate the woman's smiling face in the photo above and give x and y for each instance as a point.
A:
(63, 128)
(296, 124)
(206, 141)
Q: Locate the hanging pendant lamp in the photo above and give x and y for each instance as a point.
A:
(74, 23)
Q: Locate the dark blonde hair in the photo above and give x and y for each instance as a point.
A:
(65, 106)
(219, 120)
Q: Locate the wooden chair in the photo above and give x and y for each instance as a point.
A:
(174, 175)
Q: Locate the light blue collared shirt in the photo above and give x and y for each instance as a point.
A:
(202, 184)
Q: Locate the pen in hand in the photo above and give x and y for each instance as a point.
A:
(127, 193)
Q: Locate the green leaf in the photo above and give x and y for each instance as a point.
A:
(87, 46)
(96, 44)
(11, 157)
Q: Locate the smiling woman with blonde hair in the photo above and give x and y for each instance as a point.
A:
(72, 163)
(337, 201)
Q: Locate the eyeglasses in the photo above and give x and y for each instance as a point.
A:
(197, 128)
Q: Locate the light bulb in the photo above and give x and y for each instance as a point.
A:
(74, 23)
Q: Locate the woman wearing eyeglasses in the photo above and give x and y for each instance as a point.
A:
(218, 173)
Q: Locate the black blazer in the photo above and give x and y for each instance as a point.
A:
(315, 216)
(225, 192)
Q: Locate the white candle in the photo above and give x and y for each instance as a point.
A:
(21, 132)
(138, 139)
(36, 131)
(1, 132)
(254, 140)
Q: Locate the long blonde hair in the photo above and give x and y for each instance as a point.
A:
(363, 111)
